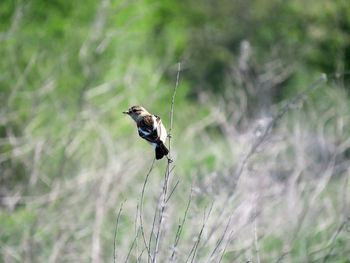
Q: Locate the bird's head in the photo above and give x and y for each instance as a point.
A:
(136, 111)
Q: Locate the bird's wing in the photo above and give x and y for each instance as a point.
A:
(148, 128)
(161, 131)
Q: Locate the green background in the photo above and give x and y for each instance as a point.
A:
(69, 157)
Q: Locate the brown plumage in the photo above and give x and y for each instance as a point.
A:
(150, 128)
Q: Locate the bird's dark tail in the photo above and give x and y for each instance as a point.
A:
(161, 150)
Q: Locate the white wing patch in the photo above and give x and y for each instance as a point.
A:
(144, 132)
(163, 133)
(154, 122)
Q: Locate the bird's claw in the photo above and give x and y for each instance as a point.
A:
(169, 160)
(169, 135)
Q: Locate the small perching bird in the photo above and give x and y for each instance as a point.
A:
(150, 128)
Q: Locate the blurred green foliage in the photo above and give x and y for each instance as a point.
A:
(68, 69)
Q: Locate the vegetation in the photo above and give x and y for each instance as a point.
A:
(260, 174)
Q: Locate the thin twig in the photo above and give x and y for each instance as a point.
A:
(256, 238)
(213, 229)
(233, 233)
(136, 233)
(220, 240)
(172, 168)
(264, 136)
(345, 222)
(305, 209)
(116, 231)
(172, 191)
(195, 246)
(240, 168)
(279, 115)
(140, 256)
(285, 253)
(172, 104)
(132, 245)
(167, 173)
(153, 225)
(179, 230)
(162, 203)
(226, 245)
(141, 211)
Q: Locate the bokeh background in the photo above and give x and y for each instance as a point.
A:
(69, 158)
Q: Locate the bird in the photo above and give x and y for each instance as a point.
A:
(150, 128)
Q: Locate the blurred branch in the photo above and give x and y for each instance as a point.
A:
(299, 97)
(16, 18)
(59, 244)
(323, 181)
(172, 191)
(153, 224)
(230, 237)
(100, 207)
(345, 222)
(212, 255)
(180, 227)
(141, 211)
(88, 62)
(262, 138)
(116, 232)
(21, 80)
(198, 239)
(129, 253)
(172, 105)
(136, 234)
(256, 237)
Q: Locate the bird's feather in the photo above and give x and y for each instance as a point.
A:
(150, 128)
(146, 128)
(143, 132)
(155, 121)
(161, 150)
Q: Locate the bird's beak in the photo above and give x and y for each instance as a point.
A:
(126, 112)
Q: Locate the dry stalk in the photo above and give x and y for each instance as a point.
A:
(344, 223)
(163, 201)
(141, 209)
(179, 229)
(116, 232)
